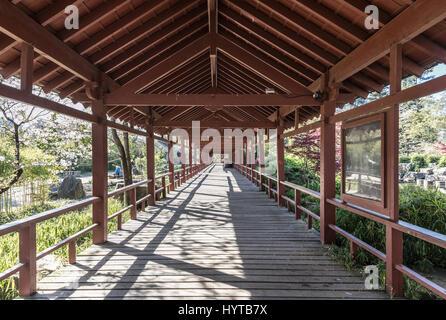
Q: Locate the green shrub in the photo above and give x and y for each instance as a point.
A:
(404, 159)
(418, 161)
(433, 159)
(442, 162)
(420, 207)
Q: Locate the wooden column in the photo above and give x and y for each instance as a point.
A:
(150, 145)
(100, 171)
(328, 169)
(394, 238)
(190, 158)
(233, 150)
(280, 164)
(26, 68)
(183, 160)
(171, 166)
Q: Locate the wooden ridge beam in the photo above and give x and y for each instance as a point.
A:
(238, 100)
(216, 124)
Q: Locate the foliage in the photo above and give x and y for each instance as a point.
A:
(306, 147)
(404, 159)
(442, 162)
(420, 207)
(433, 159)
(67, 140)
(441, 147)
(48, 233)
(37, 165)
(418, 161)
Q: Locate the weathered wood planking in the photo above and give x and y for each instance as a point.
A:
(216, 237)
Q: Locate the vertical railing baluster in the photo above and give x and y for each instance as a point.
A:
(132, 194)
(72, 252)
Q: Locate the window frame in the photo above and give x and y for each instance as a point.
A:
(370, 204)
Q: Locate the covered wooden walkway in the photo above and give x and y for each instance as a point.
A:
(215, 237)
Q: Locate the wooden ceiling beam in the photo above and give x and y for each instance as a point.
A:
(421, 42)
(45, 43)
(272, 46)
(160, 70)
(178, 75)
(248, 74)
(53, 10)
(148, 42)
(310, 53)
(216, 124)
(157, 54)
(346, 27)
(6, 43)
(99, 13)
(187, 80)
(213, 29)
(414, 20)
(133, 17)
(246, 100)
(259, 67)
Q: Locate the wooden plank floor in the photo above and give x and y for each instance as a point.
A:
(216, 237)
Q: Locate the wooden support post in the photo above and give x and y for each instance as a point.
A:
(394, 238)
(270, 186)
(328, 168)
(100, 172)
(133, 209)
(27, 255)
(163, 183)
(150, 146)
(171, 166)
(280, 165)
(183, 160)
(26, 68)
(190, 158)
(297, 203)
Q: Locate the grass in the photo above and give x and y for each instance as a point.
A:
(48, 233)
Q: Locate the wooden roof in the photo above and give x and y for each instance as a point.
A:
(298, 40)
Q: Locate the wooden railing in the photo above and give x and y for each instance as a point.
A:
(28, 257)
(432, 237)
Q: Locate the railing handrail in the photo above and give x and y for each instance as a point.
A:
(421, 233)
(22, 223)
(31, 222)
(127, 188)
(302, 189)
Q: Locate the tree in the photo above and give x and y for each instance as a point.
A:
(124, 153)
(440, 146)
(14, 116)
